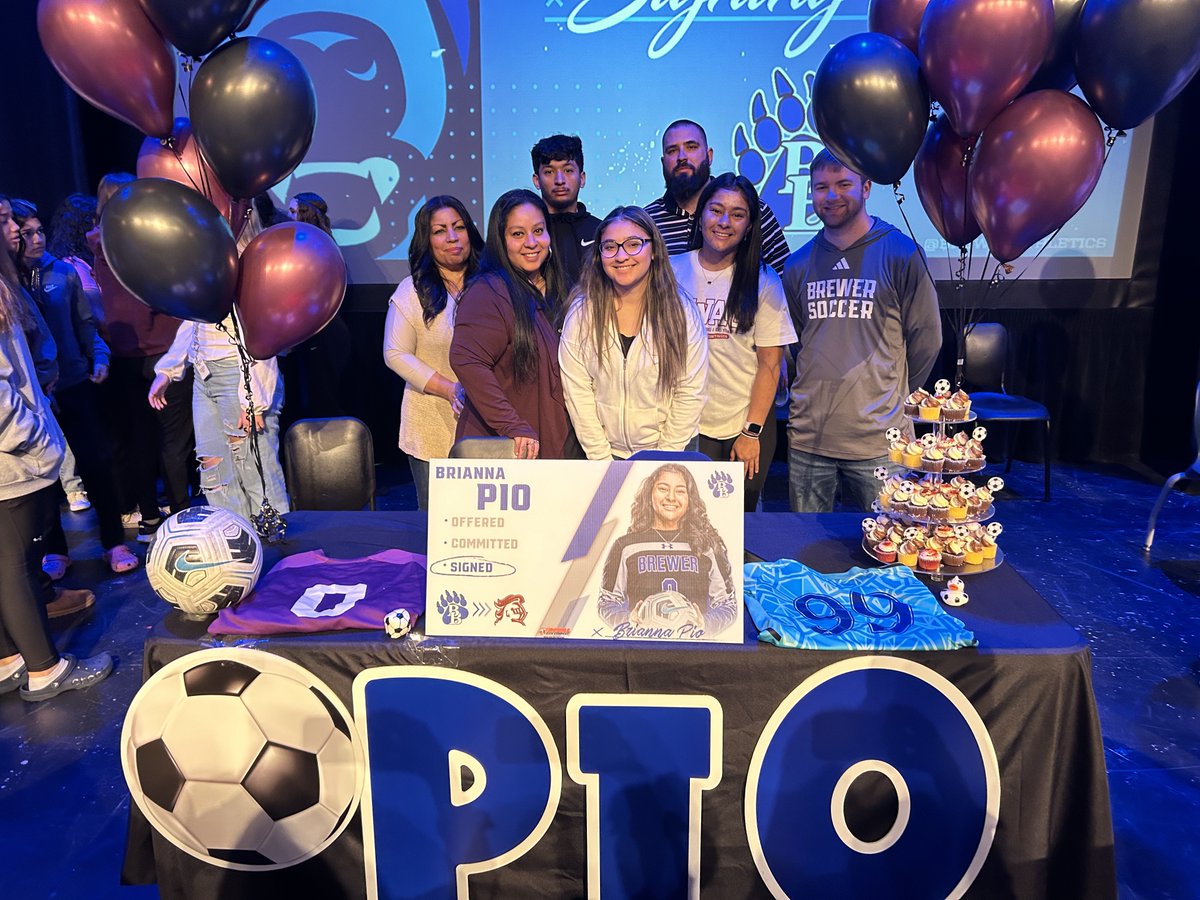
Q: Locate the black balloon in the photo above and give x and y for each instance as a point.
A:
(198, 26)
(1134, 56)
(253, 110)
(171, 249)
(871, 106)
(1058, 70)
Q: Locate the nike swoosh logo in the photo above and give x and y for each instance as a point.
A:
(587, 243)
(184, 566)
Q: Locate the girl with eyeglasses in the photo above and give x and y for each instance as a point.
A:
(633, 354)
(505, 347)
(746, 316)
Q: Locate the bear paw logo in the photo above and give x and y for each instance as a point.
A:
(452, 607)
(774, 147)
(720, 484)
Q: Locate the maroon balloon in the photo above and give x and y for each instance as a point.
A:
(112, 55)
(290, 286)
(255, 6)
(899, 18)
(1036, 165)
(180, 161)
(941, 178)
(978, 55)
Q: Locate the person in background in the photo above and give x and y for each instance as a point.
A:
(505, 346)
(687, 168)
(442, 256)
(68, 241)
(83, 363)
(746, 316)
(37, 332)
(558, 174)
(31, 447)
(315, 370)
(870, 330)
(148, 441)
(229, 473)
(633, 353)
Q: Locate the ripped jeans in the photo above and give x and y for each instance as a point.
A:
(228, 475)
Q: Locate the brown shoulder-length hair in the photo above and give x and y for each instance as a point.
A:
(664, 307)
(695, 528)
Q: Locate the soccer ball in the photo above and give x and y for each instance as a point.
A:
(242, 759)
(397, 623)
(204, 559)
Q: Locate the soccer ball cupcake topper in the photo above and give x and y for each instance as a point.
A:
(876, 506)
(928, 439)
(967, 490)
(881, 473)
(979, 433)
(941, 386)
(868, 525)
(912, 533)
(995, 484)
(994, 529)
(960, 531)
(892, 434)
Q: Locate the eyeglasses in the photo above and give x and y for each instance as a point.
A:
(632, 247)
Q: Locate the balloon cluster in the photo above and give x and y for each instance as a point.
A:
(1013, 155)
(170, 236)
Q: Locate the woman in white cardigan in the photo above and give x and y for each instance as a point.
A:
(442, 256)
(633, 354)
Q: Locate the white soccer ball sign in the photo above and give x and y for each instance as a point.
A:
(204, 559)
(242, 759)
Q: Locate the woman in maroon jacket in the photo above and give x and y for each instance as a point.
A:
(505, 344)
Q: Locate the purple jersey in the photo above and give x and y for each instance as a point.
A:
(311, 592)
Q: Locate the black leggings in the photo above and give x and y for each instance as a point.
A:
(23, 625)
(719, 450)
(80, 417)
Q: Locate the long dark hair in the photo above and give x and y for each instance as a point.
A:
(312, 209)
(431, 289)
(742, 303)
(23, 211)
(526, 299)
(694, 527)
(73, 219)
(664, 307)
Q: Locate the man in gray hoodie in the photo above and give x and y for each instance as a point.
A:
(870, 330)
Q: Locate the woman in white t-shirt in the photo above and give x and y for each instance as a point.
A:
(746, 317)
(442, 255)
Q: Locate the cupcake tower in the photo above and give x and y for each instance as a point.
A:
(926, 520)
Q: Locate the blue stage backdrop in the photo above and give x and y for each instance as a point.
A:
(448, 96)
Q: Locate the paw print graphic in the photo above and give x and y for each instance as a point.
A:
(775, 147)
(720, 484)
(452, 607)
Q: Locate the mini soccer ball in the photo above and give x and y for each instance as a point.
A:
(881, 472)
(397, 623)
(242, 759)
(204, 559)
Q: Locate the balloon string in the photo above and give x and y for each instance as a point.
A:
(911, 233)
(267, 522)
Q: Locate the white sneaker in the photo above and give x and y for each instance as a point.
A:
(78, 501)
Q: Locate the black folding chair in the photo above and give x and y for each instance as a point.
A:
(985, 362)
(1191, 473)
(330, 464)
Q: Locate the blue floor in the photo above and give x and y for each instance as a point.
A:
(63, 800)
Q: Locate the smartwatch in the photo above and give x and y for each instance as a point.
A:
(752, 429)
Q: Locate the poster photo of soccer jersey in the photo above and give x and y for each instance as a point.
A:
(647, 550)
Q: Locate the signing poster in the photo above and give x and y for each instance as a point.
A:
(641, 550)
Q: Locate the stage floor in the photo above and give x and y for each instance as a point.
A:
(63, 800)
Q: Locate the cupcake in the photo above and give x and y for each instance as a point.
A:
(956, 459)
(956, 407)
(939, 508)
(918, 506)
(885, 552)
(973, 555)
(954, 553)
(984, 496)
(912, 403)
(989, 546)
(912, 455)
(907, 553)
(930, 409)
(902, 498)
(928, 560)
(896, 451)
(943, 532)
(962, 400)
(958, 507)
(877, 535)
(932, 460)
(961, 438)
